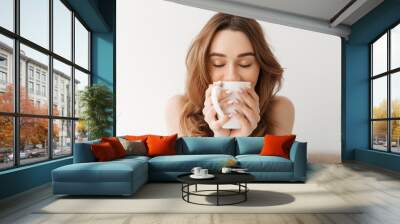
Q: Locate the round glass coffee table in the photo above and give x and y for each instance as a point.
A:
(238, 179)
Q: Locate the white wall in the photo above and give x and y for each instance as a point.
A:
(152, 41)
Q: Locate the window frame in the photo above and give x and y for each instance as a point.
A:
(16, 115)
(388, 74)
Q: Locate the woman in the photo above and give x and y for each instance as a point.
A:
(231, 48)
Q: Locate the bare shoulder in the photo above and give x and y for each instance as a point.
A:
(177, 100)
(173, 112)
(282, 103)
(282, 113)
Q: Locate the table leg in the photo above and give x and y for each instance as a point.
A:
(217, 194)
(196, 188)
(245, 193)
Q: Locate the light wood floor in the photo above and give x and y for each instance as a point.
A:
(378, 188)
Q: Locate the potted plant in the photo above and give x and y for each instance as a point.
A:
(96, 102)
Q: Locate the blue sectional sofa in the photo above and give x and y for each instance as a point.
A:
(125, 176)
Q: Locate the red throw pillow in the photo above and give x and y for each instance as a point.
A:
(116, 145)
(161, 145)
(103, 151)
(277, 145)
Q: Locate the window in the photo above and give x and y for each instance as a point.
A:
(62, 137)
(3, 78)
(3, 72)
(37, 89)
(44, 91)
(81, 45)
(30, 87)
(6, 142)
(385, 91)
(35, 21)
(3, 61)
(30, 72)
(6, 73)
(47, 74)
(37, 74)
(62, 74)
(7, 14)
(62, 29)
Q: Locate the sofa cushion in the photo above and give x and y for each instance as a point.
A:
(249, 145)
(103, 152)
(185, 163)
(206, 145)
(277, 145)
(257, 163)
(111, 171)
(134, 147)
(159, 145)
(116, 145)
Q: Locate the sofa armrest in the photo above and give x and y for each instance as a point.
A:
(298, 155)
(83, 152)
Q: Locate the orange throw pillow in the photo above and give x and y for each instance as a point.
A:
(135, 138)
(161, 145)
(103, 151)
(116, 145)
(277, 145)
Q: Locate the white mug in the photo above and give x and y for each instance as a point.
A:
(196, 170)
(203, 172)
(232, 86)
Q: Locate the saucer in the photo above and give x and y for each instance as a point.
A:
(208, 176)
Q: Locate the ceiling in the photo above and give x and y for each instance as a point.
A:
(326, 16)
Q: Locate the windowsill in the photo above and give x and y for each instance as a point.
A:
(17, 169)
(380, 151)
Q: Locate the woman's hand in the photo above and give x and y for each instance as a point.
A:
(210, 115)
(247, 111)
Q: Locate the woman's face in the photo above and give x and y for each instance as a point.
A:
(231, 58)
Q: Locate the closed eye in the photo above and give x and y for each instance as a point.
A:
(218, 66)
(245, 66)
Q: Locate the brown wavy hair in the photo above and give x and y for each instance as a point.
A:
(269, 81)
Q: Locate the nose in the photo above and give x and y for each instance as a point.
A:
(231, 73)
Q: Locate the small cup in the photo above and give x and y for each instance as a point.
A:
(226, 170)
(203, 172)
(196, 170)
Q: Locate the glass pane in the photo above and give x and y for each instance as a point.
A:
(7, 14)
(379, 135)
(34, 97)
(81, 131)
(379, 97)
(62, 138)
(81, 45)
(81, 81)
(62, 89)
(33, 139)
(395, 94)
(6, 74)
(379, 55)
(6, 142)
(395, 47)
(62, 29)
(35, 21)
(395, 136)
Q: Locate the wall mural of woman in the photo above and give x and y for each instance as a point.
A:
(231, 48)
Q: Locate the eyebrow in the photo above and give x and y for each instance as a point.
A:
(240, 55)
